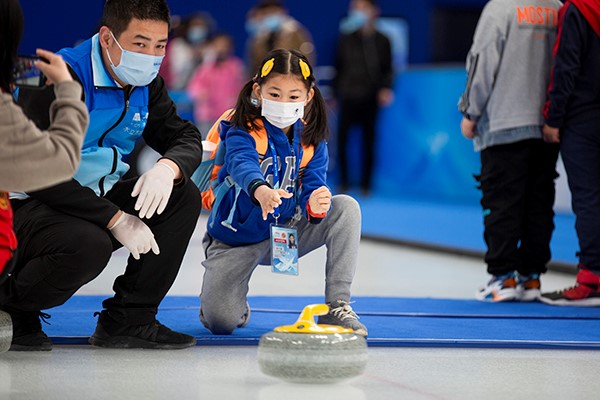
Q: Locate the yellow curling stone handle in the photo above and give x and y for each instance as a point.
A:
(306, 322)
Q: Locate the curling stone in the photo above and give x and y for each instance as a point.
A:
(6, 330)
(309, 353)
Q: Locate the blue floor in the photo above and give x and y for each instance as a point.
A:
(392, 322)
(449, 227)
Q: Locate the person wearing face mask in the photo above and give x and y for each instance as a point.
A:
(70, 230)
(276, 153)
(185, 50)
(271, 27)
(31, 158)
(362, 85)
(215, 84)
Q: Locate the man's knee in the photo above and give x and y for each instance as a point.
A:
(187, 199)
(87, 251)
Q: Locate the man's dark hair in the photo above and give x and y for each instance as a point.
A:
(118, 14)
(263, 4)
(11, 30)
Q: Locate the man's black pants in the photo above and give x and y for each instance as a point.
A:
(59, 253)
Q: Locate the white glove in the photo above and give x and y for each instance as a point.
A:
(154, 189)
(134, 234)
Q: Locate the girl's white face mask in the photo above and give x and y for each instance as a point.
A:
(282, 114)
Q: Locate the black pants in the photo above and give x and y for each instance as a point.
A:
(517, 183)
(59, 253)
(580, 149)
(364, 114)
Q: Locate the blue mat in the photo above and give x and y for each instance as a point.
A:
(392, 322)
(449, 226)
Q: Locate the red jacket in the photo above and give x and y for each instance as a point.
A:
(8, 240)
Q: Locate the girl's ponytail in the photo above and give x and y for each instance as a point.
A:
(317, 128)
(245, 111)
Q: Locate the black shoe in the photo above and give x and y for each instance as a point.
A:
(154, 335)
(27, 331)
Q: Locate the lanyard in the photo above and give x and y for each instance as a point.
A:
(294, 178)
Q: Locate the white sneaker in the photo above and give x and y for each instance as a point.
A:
(499, 288)
(529, 287)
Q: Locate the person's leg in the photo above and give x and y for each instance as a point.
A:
(503, 183)
(503, 186)
(223, 306)
(368, 116)
(339, 231)
(345, 120)
(129, 318)
(580, 150)
(539, 214)
(146, 281)
(57, 255)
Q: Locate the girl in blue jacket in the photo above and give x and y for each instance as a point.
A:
(276, 153)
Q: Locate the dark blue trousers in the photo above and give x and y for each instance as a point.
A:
(580, 150)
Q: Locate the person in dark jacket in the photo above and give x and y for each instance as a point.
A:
(572, 116)
(69, 231)
(362, 84)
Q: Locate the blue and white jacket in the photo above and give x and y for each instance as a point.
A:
(237, 219)
(119, 117)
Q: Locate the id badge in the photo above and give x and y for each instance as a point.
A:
(284, 250)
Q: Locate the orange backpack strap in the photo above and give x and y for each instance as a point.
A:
(307, 155)
(261, 138)
(214, 136)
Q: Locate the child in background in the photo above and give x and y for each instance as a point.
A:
(277, 155)
(573, 119)
(216, 83)
(508, 72)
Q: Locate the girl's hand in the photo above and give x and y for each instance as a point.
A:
(320, 200)
(270, 199)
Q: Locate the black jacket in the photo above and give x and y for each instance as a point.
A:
(364, 66)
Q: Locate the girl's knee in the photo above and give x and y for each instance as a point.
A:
(216, 323)
(346, 206)
(220, 319)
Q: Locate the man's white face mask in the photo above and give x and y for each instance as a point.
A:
(135, 69)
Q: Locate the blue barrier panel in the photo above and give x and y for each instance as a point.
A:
(421, 153)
